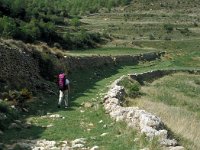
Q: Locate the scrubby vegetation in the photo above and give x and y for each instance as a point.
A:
(7, 115)
(32, 21)
(132, 87)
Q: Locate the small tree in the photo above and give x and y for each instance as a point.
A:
(75, 22)
(168, 27)
(8, 27)
(30, 31)
(151, 37)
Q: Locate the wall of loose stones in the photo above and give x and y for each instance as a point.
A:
(145, 122)
(22, 68)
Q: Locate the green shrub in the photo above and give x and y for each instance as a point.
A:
(132, 87)
(7, 115)
(185, 31)
(195, 24)
(168, 27)
(197, 81)
(8, 27)
(75, 22)
(25, 94)
(168, 38)
(3, 107)
(30, 31)
(18, 97)
(59, 55)
(151, 37)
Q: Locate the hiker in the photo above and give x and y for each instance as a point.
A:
(64, 89)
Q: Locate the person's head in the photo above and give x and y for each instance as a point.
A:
(62, 71)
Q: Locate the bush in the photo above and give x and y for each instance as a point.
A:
(195, 24)
(151, 37)
(168, 27)
(25, 94)
(75, 22)
(132, 87)
(8, 27)
(30, 31)
(59, 55)
(18, 98)
(3, 107)
(184, 31)
(167, 38)
(36, 21)
(7, 115)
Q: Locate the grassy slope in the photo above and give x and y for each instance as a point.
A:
(183, 53)
(175, 97)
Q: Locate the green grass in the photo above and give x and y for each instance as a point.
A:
(109, 51)
(175, 98)
(90, 86)
(182, 91)
(86, 87)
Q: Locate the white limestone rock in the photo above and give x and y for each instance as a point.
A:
(95, 148)
(177, 148)
(78, 141)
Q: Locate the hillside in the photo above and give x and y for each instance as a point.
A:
(155, 42)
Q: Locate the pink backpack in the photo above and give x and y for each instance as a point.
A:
(61, 81)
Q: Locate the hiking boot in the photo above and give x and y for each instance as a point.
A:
(58, 106)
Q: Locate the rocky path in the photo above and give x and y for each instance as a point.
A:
(79, 127)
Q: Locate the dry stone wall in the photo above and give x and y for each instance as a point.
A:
(21, 66)
(145, 122)
(17, 68)
(155, 74)
(98, 61)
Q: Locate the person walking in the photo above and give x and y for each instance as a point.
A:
(64, 88)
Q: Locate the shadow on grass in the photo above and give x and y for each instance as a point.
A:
(82, 81)
(29, 134)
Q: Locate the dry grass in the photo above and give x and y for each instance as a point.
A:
(175, 99)
(179, 120)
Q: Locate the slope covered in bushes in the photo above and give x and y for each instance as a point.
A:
(45, 21)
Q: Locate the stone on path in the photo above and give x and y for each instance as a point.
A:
(95, 148)
(177, 148)
(88, 105)
(103, 134)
